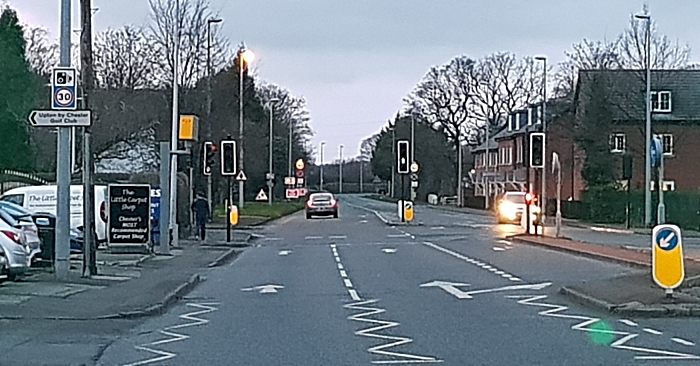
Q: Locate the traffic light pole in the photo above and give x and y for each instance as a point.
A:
(403, 198)
(527, 186)
(228, 210)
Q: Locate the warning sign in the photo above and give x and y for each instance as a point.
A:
(262, 196)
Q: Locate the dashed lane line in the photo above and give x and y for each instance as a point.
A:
(683, 341)
(477, 263)
(652, 331)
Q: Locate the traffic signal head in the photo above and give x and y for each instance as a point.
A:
(529, 197)
(402, 156)
(228, 157)
(537, 150)
(208, 157)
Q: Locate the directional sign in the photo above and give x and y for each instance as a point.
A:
(262, 196)
(290, 181)
(264, 289)
(452, 288)
(63, 87)
(60, 118)
(667, 256)
(241, 177)
(292, 193)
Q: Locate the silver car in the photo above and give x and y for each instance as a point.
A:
(15, 251)
(19, 218)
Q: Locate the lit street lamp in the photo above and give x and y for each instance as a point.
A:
(245, 57)
(543, 192)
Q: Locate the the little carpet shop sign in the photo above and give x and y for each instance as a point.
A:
(129, 214)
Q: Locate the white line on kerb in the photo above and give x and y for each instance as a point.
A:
(683, 341)
(652, 331)
(347, 283)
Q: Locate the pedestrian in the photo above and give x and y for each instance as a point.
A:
(200, 209)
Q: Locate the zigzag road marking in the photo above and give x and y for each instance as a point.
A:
(555, 311)
(175, 337)
(394, 341)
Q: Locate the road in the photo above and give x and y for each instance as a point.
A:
(354, 291)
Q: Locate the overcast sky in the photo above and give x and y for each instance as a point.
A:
(354, 60)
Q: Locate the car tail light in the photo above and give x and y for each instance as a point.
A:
(309, 203)
(103, 211)
(333, 202)
(13, 236)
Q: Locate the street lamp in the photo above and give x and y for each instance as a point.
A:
(208, 124)
(271, 175)
(323, 144)
(245, 57)
(172, 224)
(647, 158)
(340, 177)
(543, 192)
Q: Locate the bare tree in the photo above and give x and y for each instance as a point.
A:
(192, 23)
(42, 55)
(289, 110)
(665, 54)
(124, 59)
(586, 55)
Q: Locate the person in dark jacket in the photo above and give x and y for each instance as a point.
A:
(200, 209)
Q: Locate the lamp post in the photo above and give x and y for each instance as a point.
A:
(208, 130)
(543, 192)
(271, 176)
(323, 144)
(647, 135)
(173, 138)
(245, 58)
(340, 175)
(393, 161)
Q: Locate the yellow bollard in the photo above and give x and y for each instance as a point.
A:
(233, 218)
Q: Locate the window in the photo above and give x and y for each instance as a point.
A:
(492, 158)
(510, 123)
(17, 199)
(536, 115)
(617, 142)
(509, 155)
(667, 142)
(519, 153)
(661, 101)
(517, 122)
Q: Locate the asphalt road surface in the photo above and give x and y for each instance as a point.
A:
(354, 291)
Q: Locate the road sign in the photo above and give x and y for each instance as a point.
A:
(415, 167)
(299, 164)
(667, 256)
(189, 128)
(289, 181)
(63, 86)
(270, 176)
(300, 174)
(292, 193)
(414, 177)
(414, 184)
(262, 196)
(301, 192)
(408, 211)
(655, 152)
(241, 177)
(60, 118)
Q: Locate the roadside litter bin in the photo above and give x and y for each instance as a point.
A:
(46, 224)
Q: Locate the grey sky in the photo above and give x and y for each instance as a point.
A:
(355, 60)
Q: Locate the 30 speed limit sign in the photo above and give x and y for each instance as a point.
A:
(64, 97)
(63, 89)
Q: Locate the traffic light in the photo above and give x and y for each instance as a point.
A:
(208, 157)
(403, 158)
(529, 197)
(537, 150)
(228, 157)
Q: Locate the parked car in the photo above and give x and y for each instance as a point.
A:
(4, 266)
(321, 204)
(19, 217)
(15, 250)
(511, 208)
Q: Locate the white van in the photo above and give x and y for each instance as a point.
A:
(40, 199)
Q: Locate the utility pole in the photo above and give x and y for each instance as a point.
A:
(323, 144)
(172, 226)
(543, 193)
(340, 178)
(87, 76)
(208, 124)
(647, 134)
(63, 163)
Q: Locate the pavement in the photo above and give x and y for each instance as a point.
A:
(359, 291)
(76, 319)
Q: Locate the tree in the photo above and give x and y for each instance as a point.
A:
(41, 54)
(665, 54)
(124, 59)
(17, 96)
(192, 23)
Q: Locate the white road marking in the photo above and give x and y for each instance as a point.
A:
(498, 249)
(340, 266)
(354, 295)
(437, 228)
(343, 274)
(313, 238)
(499, 272)
(264, 289)
(175, 337)
(396, 236)
(628, 322)
(652, 331)
(494, 270)
(337, 237)
(471, 261)
(556, 311)
(506, 242)
(337, 259)
(683, 341)
(389, 250)
(452, 288)
(515, 279)
(284, 252)
(333, 246)
(347, 283)
(272, 239)
(363, 221)
(374, 332)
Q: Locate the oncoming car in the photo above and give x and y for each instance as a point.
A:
(322, 204)
(511, 208)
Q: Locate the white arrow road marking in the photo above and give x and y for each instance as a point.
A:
(683, 341)
(628, 322)
(380, 325)
(664, 243)
(450, 287)
(389, 250)
(284, 252)
(264, 289)
(554, 310)
(175, 337)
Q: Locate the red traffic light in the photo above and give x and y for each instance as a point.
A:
(528, 198)
(212, 147)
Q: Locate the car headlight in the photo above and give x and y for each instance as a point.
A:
(507, 210)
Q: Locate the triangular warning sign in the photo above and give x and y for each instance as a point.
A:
(261, 196)
(241, 176)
